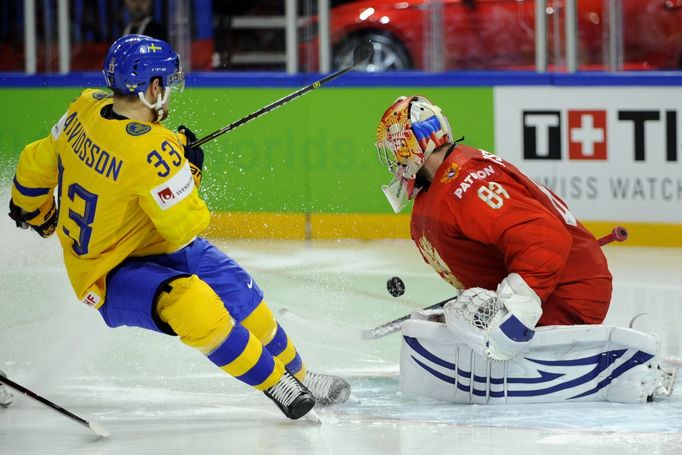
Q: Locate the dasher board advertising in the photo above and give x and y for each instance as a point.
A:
(612, 153)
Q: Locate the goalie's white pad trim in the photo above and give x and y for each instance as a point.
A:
(562, 363)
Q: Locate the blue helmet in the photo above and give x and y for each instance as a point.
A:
(134, 60)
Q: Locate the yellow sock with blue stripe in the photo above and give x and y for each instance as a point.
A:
(199, 318)
(262, 323)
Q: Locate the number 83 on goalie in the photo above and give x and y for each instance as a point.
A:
(493, 194)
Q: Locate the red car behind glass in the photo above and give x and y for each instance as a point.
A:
(499, 34)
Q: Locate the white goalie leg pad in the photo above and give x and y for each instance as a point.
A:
(563, 363)
(646, 379)
(428, 357)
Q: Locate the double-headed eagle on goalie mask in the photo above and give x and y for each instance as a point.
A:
(409, 131)
(133, 61)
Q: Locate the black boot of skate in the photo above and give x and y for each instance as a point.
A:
(6, 397)
(291, 396)
(327, 389)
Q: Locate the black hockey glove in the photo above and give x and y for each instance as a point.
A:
(17, 215)
(21, 218)
(195, 155)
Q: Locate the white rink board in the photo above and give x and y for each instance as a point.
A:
(612, 153)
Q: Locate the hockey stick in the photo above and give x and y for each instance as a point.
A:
(389, 327)
(95, 427)
(617, 234)
(361, 55)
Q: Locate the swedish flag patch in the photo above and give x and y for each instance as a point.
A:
(137, 129)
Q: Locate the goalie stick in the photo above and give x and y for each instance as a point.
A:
(389, 327)
(95, 427)
(618, 234)
(361, 55)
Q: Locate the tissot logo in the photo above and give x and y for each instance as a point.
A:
(588, 133)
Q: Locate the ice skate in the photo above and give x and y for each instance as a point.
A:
(327, 389)
(291, 396)
(6, 397)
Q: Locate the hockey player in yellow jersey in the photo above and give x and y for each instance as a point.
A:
(121, 192)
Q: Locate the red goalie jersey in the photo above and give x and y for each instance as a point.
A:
(481, 218)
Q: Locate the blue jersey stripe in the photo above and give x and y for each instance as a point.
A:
(31, 192)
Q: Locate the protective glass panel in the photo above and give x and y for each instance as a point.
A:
(436, 35)
(651, 34)
(425, 35)
(617, 35)
(479, 35)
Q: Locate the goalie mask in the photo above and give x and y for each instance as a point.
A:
(409, 131)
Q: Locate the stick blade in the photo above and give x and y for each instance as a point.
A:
(383, 330)
(362, 53)
(99, 429)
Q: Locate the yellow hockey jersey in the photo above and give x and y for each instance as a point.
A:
(124, 189)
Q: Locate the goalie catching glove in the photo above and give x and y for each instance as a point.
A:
(43, 221)
(195, 155)
(498, 324)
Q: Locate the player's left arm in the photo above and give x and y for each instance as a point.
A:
(32, 203)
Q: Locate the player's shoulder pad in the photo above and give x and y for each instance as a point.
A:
(467, 166)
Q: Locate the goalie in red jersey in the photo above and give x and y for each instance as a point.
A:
(483, 225)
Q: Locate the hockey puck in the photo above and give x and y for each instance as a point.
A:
(395, 286)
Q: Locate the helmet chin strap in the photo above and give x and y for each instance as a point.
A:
(158, 105)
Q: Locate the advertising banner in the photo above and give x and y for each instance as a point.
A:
(611, 153)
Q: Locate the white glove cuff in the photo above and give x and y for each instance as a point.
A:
(520, 300)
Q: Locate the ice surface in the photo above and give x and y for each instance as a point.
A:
(157, 396)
